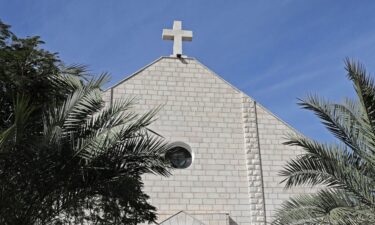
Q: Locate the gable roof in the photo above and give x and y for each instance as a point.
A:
(212, 72)
(136, 73)
(169, 57)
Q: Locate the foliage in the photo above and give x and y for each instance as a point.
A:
(345, 171)
(65, 157)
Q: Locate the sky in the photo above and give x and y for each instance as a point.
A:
(275, 51)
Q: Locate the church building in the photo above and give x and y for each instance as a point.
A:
(226, 147)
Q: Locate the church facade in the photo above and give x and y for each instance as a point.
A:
(227, 148)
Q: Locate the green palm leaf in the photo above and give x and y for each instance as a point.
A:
(324, 207)
(84, 163)
(345, 171)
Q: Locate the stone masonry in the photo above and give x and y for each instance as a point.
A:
(236, 144)
(273, 132)
(254, 170)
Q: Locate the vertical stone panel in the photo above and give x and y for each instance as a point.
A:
(253, 161)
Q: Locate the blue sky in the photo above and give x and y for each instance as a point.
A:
(275, 51)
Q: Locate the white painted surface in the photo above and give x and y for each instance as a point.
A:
(177, 35)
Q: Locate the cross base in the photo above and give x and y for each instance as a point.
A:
(179, 56)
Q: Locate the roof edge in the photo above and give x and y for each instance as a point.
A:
(215, 74)
(251, 98)
(143, 68)
(281, 120)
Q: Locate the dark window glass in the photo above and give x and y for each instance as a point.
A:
(179, 157)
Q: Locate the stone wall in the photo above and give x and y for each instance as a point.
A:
(226, 131)
(274, 154)
(256, 196)
(202, 110)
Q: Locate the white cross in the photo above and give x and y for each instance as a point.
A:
(177, 36)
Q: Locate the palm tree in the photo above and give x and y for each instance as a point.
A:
(83, 166)
(344, 171)
(66, 157)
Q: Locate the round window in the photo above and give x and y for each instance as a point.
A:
(180, 157)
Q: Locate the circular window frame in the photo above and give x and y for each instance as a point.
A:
(184, 146)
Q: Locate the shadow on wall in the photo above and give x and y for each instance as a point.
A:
(183, 60)
(232, 222)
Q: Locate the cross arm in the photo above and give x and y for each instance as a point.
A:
(168, 34)
(187, 35)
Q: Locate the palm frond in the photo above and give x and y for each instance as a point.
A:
(22, 112)
(365, 88)
(330, 165)
(325, 207)
(346, 170)
(118, 113)
(120, 131)
(73, 112)
(346, 126)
